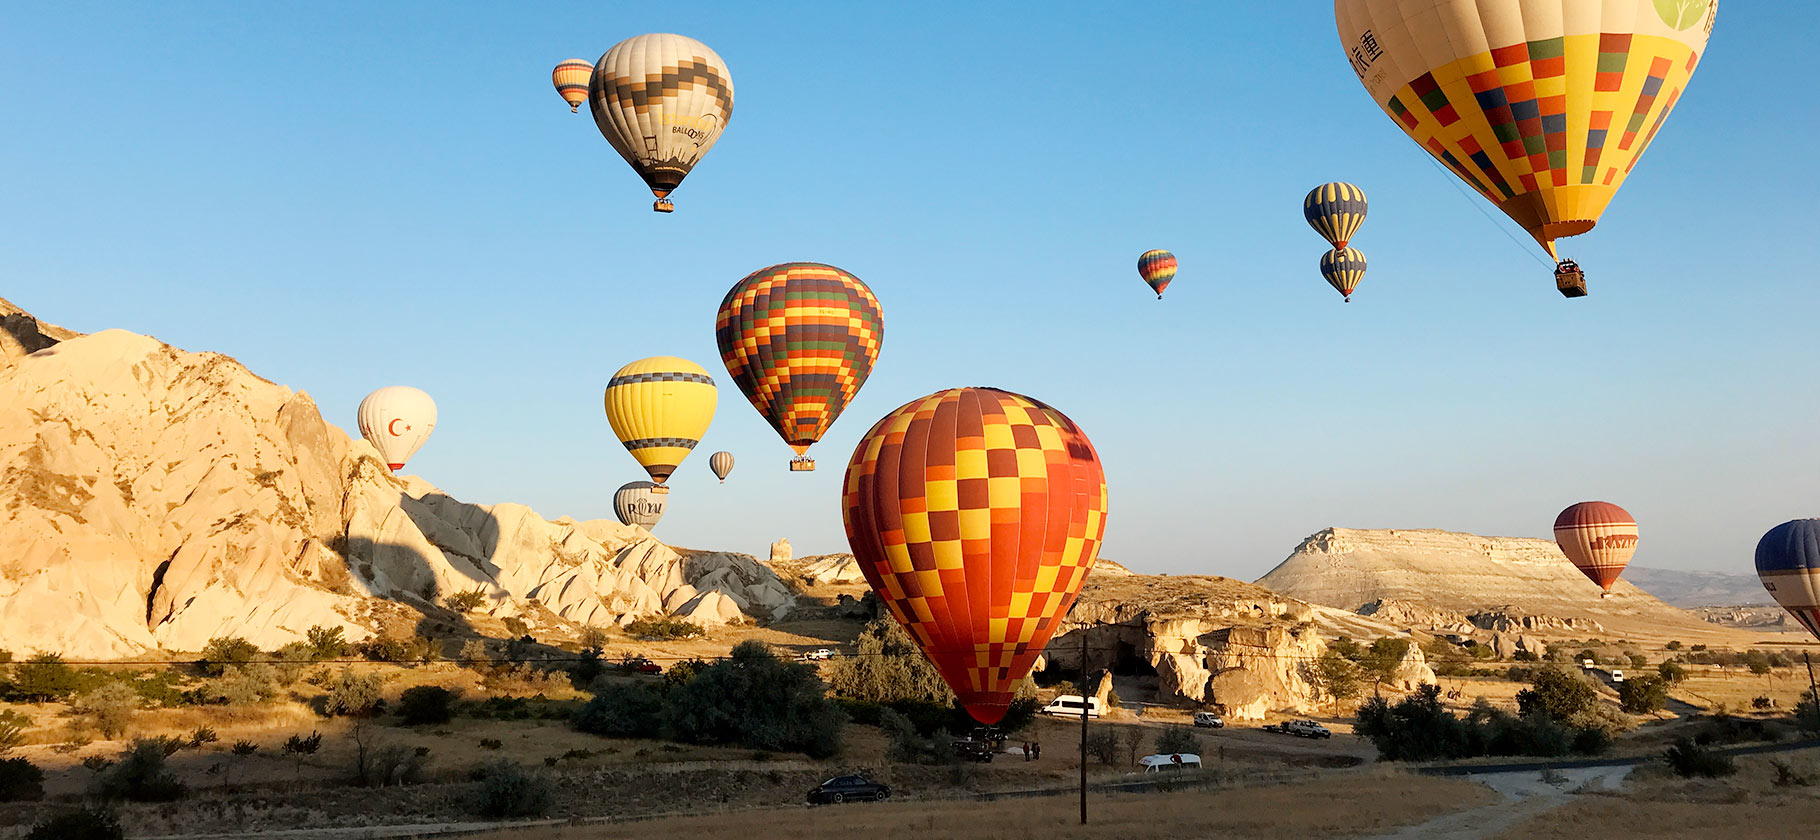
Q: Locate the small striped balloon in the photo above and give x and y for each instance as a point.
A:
(721, 463)
(1335, 211)
(1157, 267)
(1343, 270)
(571, 81)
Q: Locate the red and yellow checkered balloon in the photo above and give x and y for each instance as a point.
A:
(976, 514)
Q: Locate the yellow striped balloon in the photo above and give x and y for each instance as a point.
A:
(660, 408)
(1335, 211)
(571, 81)
(1343, 269)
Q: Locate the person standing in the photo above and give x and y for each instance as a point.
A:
(1036, 750)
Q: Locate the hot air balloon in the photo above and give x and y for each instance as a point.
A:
(1543, 106)
(662, 101)
(1343, 270)
(660, 407)
(1599, 537)
(1157, 268)
(975, 515)
(640, 503)
(799, 340)
(1788, 563)
(721, 463)
(1335, 211)
(397, 420)
(571, 81)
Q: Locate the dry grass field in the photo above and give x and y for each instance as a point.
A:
(1655, 804)
(1336, 805)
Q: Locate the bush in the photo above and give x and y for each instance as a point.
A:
(909, 746)
(1673, 645)
(223, 651)
(353, 695)
(388, 764)
(289, 662)
(1419, 728)
(593, 637)
(202, 735)
(1762, 702)
(1103, 744)
(754, 699)
(1178, 739)
(1688, 759)
(1643, 695)
(108, 708)
(474, 655)
(1787, 776)
(663, 627)
(44, 678)
(87, 824)
(140, 774)
(1807, 712)
(467, 601)
(516, 626)
(622, 710)
(506, 790)
(1525, 656)
(386, 649)
(888, 668)
(243, 685)
(12, 729)
(20, 780)
(1556, 693)
(1671, 673)
(426, 704)
(326, 643)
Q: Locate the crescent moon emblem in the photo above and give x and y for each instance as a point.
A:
(392, 427)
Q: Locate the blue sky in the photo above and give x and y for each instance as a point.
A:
(345, 196)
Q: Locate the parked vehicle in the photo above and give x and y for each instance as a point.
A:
(1173, 763)
(1209, 720)
(969, 749)
(1586, 663)
(1300, 729)
(819, 655)
(1617, 676)
(1069, 705)
(641, 665)
(848, 789)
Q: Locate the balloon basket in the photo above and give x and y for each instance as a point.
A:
(802, 464)
(663, 205)
(1570, 280)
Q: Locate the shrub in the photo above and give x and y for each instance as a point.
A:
(202, 735)
(1177, 739)
(387, 764)
(244, 748)
(473, 654)
(664, 627)
(888, 668)
(1675, 645)
(1689, 759)
(97, 823)
(223, 651)
(1762, 702)
(243, 685)
(1807, 712)
(140, 774)
(754, 699)
(1525, 656)
(353, 695)
(467, 601)
(20, 780)
(516, 626)
(1642, 695)
(593, 637)
(622, 710)
(909, 746)
(491, 743)
(1556, 693)
(1420, 728)
(1671, 673)
(506, 790)
(588, 667)
(326, 643)
(44, 678)
(289, 662)
(386, 649)
(12, 730)
(1786, 776)
(108, 708)
(683, 671)
(426, 704)
(298, 747)
(1757, 661)
(1103, 744)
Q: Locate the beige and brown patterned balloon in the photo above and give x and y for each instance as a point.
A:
(661, 100)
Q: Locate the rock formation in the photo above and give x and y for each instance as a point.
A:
(153, 498)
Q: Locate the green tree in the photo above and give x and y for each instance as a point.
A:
(353, 695)
(1177, 739)
(1383, 658)
(425, 704)
(108, 708)
(297, 748)
(326, 643)
(1333, 676)
(1643, 694)
(757, 700)
(140, 774)
(1757, 661)
(1671, 673)
(43, 678)
(1557, 694)
(889, 668)
(20, 780)
(223, 651)
(1348, 648)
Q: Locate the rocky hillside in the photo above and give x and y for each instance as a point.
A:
(1701, 589)
(153, 498)
(1443, 580)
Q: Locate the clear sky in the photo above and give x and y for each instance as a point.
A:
(345, 196)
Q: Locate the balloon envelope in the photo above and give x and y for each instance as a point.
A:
(721, 463)
(1157, 267)
(1599, 537)
(659, 408)
(799, 339)
(1788, 563)
(975, 515)
(661, 101)
(1335, 211)
(640, 503)
(1543, 106)
(1343, 270)
(397, 420)
(571, 81)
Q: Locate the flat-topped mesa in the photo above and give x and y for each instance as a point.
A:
(152, 498)
(1434, 578)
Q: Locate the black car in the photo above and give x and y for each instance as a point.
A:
(848, 789)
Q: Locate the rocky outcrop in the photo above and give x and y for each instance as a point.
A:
(1207, 640)
(153, 498)
(780, 551)
(830, 570)
(1504, 583)
(1417, 615)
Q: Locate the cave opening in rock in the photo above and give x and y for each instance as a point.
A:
(1128, 664)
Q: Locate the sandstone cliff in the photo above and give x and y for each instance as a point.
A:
(153, 498)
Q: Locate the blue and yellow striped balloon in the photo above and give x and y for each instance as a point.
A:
(1157, 268)
(1343, 269)
(1335, 211)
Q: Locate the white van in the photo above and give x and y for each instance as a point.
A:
(1175, 763)
(1069, 705)
(1209, 720)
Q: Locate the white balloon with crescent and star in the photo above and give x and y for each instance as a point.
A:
(397, 420)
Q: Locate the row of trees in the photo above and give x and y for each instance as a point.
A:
(1339, 675)
(1558, 714)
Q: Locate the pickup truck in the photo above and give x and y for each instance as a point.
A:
(1300, 729)
(641, 665)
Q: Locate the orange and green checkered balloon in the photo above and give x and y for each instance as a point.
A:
(975, 515)
(799, 340)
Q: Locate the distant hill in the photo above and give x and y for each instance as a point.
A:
(1700, 589)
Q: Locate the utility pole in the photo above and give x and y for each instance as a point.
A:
(1810, 671)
